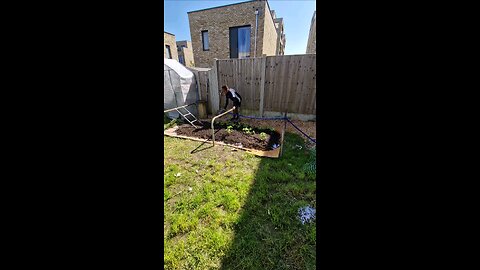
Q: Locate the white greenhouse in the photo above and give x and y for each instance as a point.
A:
(179, 87)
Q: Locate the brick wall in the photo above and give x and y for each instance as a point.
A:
(169, 39)
(280, 36)
(312, 37)
(269, 35)
(218, 21)
(186, 52)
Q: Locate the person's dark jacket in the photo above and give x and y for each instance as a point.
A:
(236, 102)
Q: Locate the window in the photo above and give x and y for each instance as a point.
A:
(240, 42)
(205, 40)
(180, 48)
(169, 53)
(181, 60)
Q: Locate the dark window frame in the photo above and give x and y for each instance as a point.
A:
(235, 40)
(203, 41)
(169, 52)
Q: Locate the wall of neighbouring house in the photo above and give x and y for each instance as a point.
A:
(218, 21)
(169, 39)
(280, 41)
(187, 53)
(312, 37)
(269, 35)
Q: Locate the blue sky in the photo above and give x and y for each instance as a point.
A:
(297, 16)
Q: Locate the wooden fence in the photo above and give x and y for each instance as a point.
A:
(268, 85)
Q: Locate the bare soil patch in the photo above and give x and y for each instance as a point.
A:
(239, 134)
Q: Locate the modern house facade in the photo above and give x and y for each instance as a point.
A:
(185, 53)
(312, 36)
(169, 46)
(241, 30)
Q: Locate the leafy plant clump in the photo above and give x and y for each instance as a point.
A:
(263, 136)
(229, 129)
(168, 123)
(248, 130)
(311, 167)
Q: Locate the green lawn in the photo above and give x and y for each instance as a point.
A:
(229, 209)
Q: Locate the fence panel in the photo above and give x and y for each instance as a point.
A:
(288, 82)
(243, 75)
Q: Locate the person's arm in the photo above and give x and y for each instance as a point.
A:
(226, 103)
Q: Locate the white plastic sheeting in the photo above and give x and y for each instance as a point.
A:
(306, 214)
(179, 87)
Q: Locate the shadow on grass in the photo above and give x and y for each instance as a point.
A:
(196, 149)
(268, 234)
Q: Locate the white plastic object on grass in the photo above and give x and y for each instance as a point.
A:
(306, 214)
(298, 146)
(178, 174)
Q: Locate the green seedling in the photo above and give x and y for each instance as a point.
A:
(247, 130)
(229, 129)
(263, 136)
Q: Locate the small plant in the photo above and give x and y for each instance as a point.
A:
(247, 130)
(229, 129)
(263, 136)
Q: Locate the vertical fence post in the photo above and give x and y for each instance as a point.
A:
(213, 88)
(262, 85)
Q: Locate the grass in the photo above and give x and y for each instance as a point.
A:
(229, 209)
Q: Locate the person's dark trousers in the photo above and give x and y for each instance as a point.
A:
(236, 115)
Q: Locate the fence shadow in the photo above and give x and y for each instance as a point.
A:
(268, 234)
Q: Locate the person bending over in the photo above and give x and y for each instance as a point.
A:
(230, 93)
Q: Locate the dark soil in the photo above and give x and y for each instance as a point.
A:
(249, 137)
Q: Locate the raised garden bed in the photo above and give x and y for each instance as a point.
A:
(237, 134)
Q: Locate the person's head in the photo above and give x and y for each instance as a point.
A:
(224, 90)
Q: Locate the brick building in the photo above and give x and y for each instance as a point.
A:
(281, 40)
(169, 46)
(232, 31)
(312, 36)
(185, 53)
